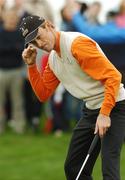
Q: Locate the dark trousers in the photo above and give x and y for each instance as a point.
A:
(110, 145)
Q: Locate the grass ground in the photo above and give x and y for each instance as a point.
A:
(30, 157)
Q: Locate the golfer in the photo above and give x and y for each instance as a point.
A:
(79, 64)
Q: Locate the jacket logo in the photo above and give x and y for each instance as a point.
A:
(69, 60)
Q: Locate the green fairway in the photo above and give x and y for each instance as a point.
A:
(40, 157)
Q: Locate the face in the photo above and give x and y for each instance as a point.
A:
(46, 38)
(10, 20)
(122, 7)
(18, 3)
(2, 2)
(95, 9)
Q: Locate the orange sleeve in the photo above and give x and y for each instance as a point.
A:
(44, 84)
(95, 64)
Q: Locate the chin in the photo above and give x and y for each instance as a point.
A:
(48, 49)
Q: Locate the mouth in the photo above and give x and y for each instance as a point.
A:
(43, 46)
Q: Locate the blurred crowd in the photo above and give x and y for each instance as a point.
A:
(20, 109)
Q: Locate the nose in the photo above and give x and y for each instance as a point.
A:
(39, 43)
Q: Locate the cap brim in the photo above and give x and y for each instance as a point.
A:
(30, 37)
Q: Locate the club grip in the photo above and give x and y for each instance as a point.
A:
(94, 142)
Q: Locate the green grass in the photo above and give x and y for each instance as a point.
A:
(29, 157)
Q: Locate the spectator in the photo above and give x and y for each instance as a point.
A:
(111, 16)
(11, 79)
(41, 8)
(66, 25)
(79, 22)
(33, 107)
(92, 13)
(120, 19)
(99, 32)
(2, 4)
(66, 15)
(71, 105)
(19, 6)
(83, 6)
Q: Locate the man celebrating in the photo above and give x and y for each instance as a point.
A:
(79, 64)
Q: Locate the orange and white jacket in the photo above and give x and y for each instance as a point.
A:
(81, 66)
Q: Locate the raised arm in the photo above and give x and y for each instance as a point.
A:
(43, 85)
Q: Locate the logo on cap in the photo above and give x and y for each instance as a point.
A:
(25, 32)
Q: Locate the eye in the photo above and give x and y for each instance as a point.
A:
(38, 37)
(34, 43)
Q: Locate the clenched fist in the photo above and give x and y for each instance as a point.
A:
(29, 55)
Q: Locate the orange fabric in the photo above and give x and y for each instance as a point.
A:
(44, 61)
(45, 85)
(95, 64)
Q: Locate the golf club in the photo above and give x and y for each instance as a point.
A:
(94, 142)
